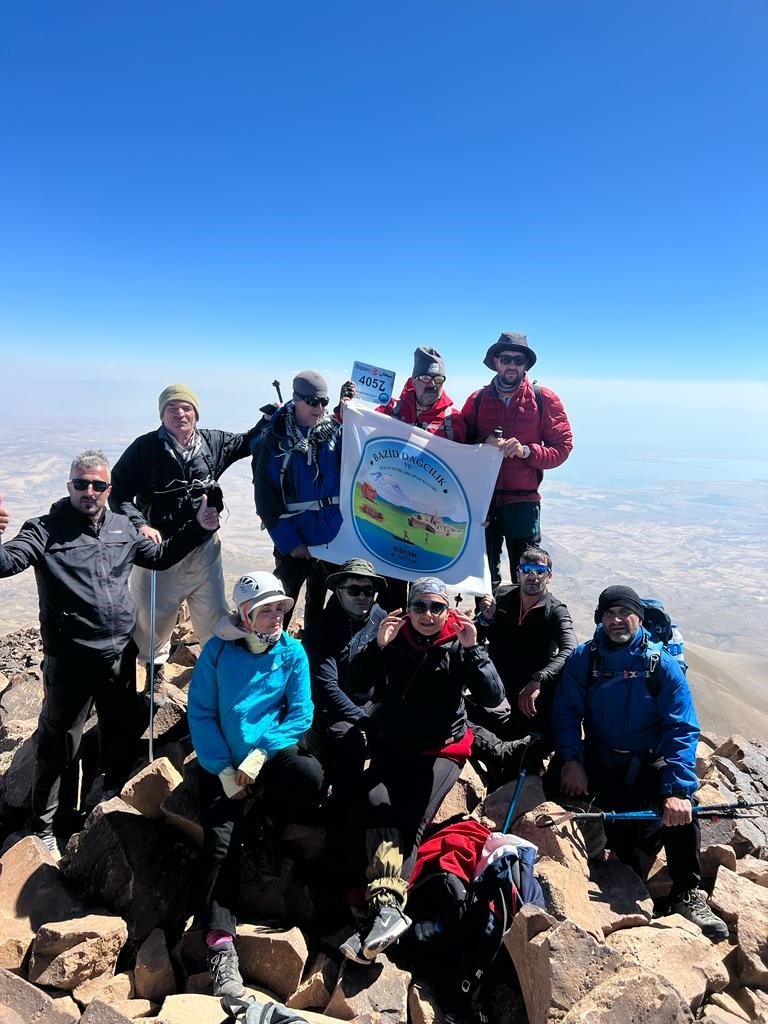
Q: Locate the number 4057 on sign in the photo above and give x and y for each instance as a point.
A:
(373, 383)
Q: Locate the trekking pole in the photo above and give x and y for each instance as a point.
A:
(152, 610)
(533, 740)
(276, 386)
(715, 811)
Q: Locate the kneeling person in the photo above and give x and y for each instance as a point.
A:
(639, 746)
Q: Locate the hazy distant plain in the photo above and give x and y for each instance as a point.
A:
(698, 546)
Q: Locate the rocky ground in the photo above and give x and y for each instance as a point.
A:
(106, 936)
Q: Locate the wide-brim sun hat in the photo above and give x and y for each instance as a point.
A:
(510, 341)
(258, 588)
(354, 567)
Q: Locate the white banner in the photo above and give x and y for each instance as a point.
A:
(413, 504)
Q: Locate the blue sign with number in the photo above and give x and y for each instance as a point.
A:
(373, 383)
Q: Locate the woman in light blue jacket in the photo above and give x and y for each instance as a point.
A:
(249, 705)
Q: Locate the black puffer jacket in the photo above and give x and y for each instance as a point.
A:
(82, 574)
(151, 485)
(332, 642)
(418, 688)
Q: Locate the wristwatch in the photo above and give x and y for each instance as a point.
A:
(526, 451)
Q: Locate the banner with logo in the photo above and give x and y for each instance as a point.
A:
(413, 504)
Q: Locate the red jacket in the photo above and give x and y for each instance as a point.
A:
(440, 419)
(547, 433)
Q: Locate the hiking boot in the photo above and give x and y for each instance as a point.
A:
(48, 839)
(693, 906)
(352, 949)
(225, 972)
(386, 928)
(158, 685)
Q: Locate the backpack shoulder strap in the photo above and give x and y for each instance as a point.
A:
(537, 395)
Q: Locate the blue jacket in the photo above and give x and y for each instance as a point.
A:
(239, 701)
(282, 477)
(621, 713)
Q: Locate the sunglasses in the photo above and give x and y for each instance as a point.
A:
(427, 378)
(505, 359)
(433, 607)
(99, 486)
(355, 590)
(313, 402)
(526, 569)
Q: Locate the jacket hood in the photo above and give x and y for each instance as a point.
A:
(61, 505)
(228, 627)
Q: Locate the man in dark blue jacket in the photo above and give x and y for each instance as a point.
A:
(82, 554)
(296, 480)
(639, 747)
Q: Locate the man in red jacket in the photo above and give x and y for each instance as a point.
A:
(423, 402)
(529, 425)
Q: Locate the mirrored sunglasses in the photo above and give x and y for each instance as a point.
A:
(99, 486)
(428, 378)
(356, 590)
(526, 569)
(314, 401)
(433, 607)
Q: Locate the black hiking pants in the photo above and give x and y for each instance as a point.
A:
(291, 782)
(72, 684)
(616, 790)
(293, 572)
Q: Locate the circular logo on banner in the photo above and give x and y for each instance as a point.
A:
(409, 509)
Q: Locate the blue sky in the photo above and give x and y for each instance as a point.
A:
(205, 190)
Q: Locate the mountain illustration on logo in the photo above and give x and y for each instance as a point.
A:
(408, 507)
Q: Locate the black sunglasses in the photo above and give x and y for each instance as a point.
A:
(314, 402)
(505, 359)
(356, 590)
(99, 486)
(434, 607)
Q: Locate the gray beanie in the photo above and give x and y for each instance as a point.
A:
(309, 384)
(427, 360)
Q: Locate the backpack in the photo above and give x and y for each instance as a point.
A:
(251, 1011)
(461, 920)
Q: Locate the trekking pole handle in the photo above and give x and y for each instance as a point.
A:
(276, 386)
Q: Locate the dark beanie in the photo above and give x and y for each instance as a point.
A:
(309, 384)
(624, 597)
(427, 360)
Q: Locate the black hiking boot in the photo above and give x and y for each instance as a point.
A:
(225, 972)
(158, 685)
(693, 906)
(385, 924)
(502, 758)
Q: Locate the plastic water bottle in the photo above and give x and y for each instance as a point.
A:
(426, 930)
(676, 647)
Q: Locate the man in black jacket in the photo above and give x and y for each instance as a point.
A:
(158, 482)
(530, 635)
(345, 627)
(82, 554)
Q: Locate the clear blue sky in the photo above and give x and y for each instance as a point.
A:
(282, 183)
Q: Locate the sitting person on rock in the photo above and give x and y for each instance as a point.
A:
(249, 705)
(640, 730)
(530, 636)
(346, 626)
(420, 665)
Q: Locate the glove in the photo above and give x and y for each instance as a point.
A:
(348, 390)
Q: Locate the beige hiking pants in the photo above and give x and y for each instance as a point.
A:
(197, 579)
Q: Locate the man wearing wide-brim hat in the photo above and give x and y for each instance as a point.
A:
(346, 626)
(529, 425)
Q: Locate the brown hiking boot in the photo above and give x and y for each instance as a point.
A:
(159, 683)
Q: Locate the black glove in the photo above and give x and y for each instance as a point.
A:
(348, 390)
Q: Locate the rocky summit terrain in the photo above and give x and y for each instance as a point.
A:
(107, 935)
